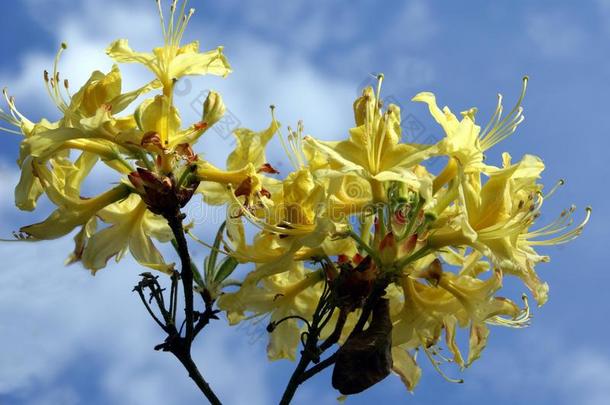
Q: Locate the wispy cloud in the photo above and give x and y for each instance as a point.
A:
(541, 366)
(64, 316)
(556, 33)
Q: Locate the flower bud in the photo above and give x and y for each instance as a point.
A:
(362, 104)
(213, 109)
(388, 249)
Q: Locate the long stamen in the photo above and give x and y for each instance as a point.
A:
(60, 96)
(9, 119)
(495, 118)
(436, 365)
(502, 129)
(185, 20)
(564, 221)
(561, 239)
(294, 141)
(170, 30)
(290, 156)
(560, 183)
(67, 89)
(207, 245)
(10, 131)
(55, 81)
(520, 321)
(378, 95)
(162, 20)
(18, 118)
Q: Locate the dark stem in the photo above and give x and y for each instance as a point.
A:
(321, 366)
(175, 223)
(148, 308)
(311, 351)
(181, 346)
(188, 363)
(295, 379)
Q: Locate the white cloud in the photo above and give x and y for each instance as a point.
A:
(51, 316)
(54, 318)
(540, 366)
(556, 34)
(415, 24)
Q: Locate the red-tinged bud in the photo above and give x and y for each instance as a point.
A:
(267, 168)
(357, 258)
(399, 217)
(265, 193)
(245, 188)
(409, 244)
(137, 182)
(185, 151)
(161, 193)
(433, 272)
(200, 126)
(330, 271)
(342, 259)
(167, 183)
(387, 242)
(151, 141)
(355, 284)
(388, 249)
(149, 178)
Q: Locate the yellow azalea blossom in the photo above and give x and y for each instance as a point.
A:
(373, 150)
(497, 217)
(248, 161)
(131, 226)
(403, 261)
(458, 300)
(72, 214)
(294, 224)
(464, 139)
(173, 61)
(293, 293)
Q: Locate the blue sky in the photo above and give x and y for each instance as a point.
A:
(69, 338)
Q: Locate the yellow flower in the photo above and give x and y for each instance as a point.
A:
(456, 300)
(71, 214)
(245, 165)
(373, 150)
(131, 227)
(173, 61)
(294, 226)
(464, 139)
(292, 293)
(101, 92)
(496, 219)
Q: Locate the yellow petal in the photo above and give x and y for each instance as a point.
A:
(65, 218)
(194, 63)
(121, 52)
(405, 366)
(250, 147)
(152, 116)
(477, 341)
(28, 189)
(444, 118)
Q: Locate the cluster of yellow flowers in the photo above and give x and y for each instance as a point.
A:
(354, 214)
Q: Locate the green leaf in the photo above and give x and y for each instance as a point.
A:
(226, 268)
(197, 276)
(213, 257)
